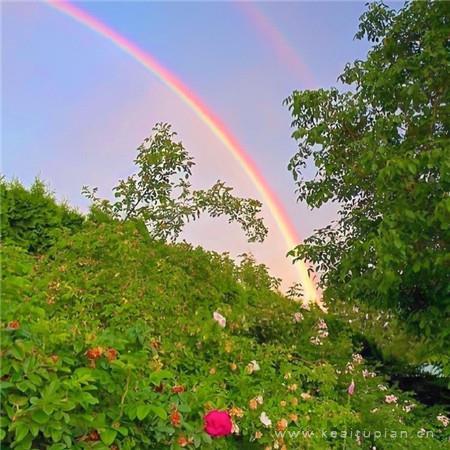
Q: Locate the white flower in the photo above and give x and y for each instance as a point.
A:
(265, 420)
(252, 366)
(219, 319)
(306, 396)
(298, 317)
(408, 407)
(390, 399)
(322, 325)
(259, 399)
(367, 374)
(382, 387)
(235, 428)
(357, 358)
(443, 419)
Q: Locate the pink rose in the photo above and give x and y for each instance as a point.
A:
(219, 319)
(390, 399)
(351, 388)
(218, 423)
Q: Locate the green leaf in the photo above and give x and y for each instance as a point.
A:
(184, 408)
(142, 411)
(131, 411)
(56, 435)
(25, 444)
(21, 431)
(157, 377)
(108, 436)
(18, 400)
(48, 409)
(68, 440)
(40, 417)
(159, 411)
(207, 438)
(34, 429)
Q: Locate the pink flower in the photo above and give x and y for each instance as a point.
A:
(219, 319)
(218, 423)
(351, 388)
(390, 399)
(298, 317)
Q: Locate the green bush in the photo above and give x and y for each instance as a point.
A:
(32, 218)
(109, 341)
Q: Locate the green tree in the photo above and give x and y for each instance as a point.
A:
(160, 193)
(382, 153)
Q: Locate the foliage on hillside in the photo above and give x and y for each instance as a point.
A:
(31, 218)
(382, 152)
(109, 341)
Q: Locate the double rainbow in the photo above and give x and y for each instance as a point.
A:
(209, 119)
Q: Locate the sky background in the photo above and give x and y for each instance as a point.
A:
(75, 106)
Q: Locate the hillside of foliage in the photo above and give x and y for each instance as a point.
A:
(113, 339)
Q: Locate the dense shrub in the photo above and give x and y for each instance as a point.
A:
(109, 341)
(31, 218)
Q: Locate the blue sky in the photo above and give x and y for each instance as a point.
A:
(75, 106)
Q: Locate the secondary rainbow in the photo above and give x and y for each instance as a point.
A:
(209, 119)
(278, 41)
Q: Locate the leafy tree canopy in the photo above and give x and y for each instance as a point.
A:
(161, 195)
(382, 153)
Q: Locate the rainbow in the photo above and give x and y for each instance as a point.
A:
(281, 45)
(209, 119)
